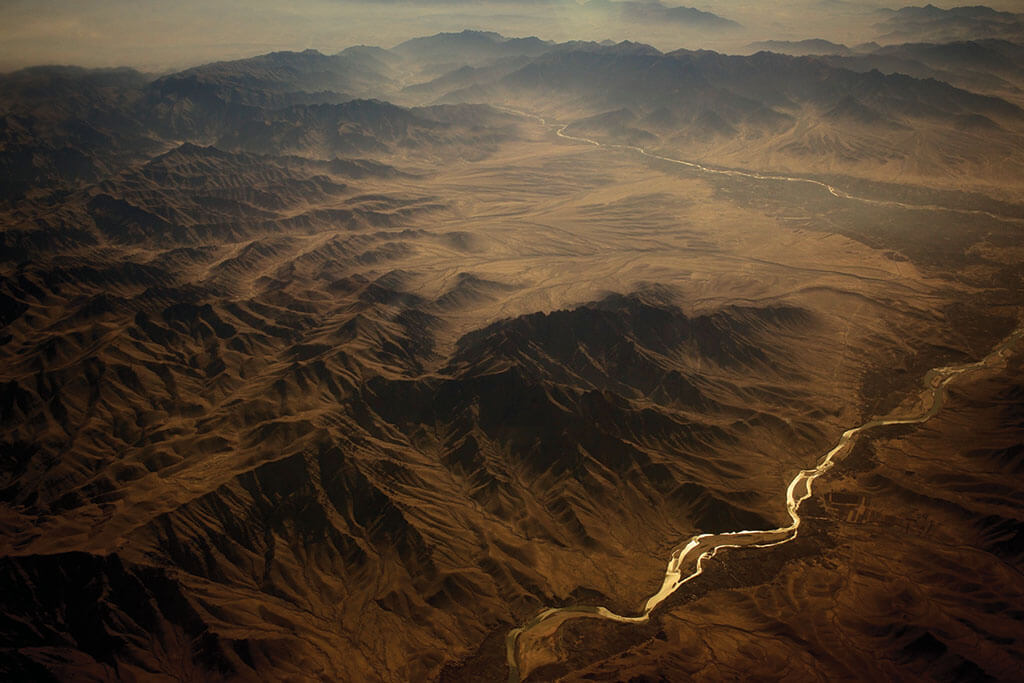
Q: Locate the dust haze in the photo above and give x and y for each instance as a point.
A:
(535, 341)
(155, 36)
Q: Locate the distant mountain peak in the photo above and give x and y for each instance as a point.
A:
(489, 34)
(935, 24)
(469, 44)
(654, 11)
(811, 46)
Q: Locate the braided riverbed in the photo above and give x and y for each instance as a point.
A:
(687, 561)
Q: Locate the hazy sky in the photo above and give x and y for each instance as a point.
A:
(158, 35)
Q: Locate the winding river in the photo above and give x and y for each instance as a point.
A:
(687, 561)
(734, 173)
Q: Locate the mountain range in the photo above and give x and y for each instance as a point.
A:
(343, 366)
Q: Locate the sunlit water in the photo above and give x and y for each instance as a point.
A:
(687, 561)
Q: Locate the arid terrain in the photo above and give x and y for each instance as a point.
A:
(341, 367)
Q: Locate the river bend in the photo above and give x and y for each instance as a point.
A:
(687, 561)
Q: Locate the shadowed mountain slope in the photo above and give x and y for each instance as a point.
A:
(300, 383)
